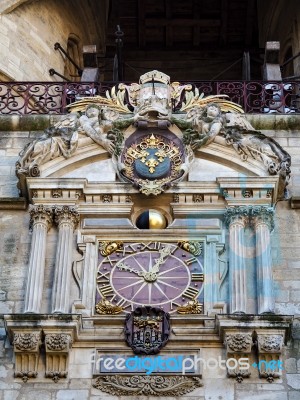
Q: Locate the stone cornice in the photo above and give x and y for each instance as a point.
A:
(260, 323)
(13, 203)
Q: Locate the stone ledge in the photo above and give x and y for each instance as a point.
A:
(295, 202)
(37, 122)
(13, 203)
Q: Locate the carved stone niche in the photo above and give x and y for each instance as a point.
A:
(27, 351)
(238, 346)
(269, 355)
(57, 347)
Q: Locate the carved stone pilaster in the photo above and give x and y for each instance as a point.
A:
(89, 250)
(67, 219)
(41, 218)
(57, 347)
(26, 349)
(238, 346)
(263, 221)
(237, 218)
(269, 356)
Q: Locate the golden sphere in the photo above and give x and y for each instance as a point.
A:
(157, 220)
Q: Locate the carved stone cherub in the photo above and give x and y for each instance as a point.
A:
(58, 140)
(96, 123)
(206, 122)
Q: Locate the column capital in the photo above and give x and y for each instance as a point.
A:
(41, 214)
(263, 215)
(66, 215)
(236, 214)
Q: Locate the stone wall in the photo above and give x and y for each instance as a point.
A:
(28, 34)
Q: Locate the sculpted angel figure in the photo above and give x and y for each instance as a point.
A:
(60, 139)
(96, 123)
(206, 124)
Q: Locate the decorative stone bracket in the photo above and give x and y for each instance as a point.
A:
(27, 351)
(269, 355)
(243, 333)
(57, 346)
(55, 332)
(238, 346)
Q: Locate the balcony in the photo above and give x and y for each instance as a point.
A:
(255, 97)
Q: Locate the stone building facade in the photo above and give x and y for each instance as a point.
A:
(153, 209)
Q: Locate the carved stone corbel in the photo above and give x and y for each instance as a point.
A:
(238, 346)
(269, 356)
(57, 347)
(27, 350)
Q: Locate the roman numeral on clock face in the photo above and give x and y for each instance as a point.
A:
(106, 290)
(103, 278)
(191, 260)
(151, 246)
(124, 303)
(197, 277)
(190, 292)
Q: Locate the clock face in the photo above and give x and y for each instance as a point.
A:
(157, 274)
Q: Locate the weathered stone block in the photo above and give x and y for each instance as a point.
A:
(293, 380)
(72, 395)
(290, 365)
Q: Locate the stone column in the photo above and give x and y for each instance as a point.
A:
(236, 218)
(263, 225)
(66, 218)
(40, 220)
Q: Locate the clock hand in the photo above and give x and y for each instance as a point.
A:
(148, 276)
(124, 267)
(165, 252)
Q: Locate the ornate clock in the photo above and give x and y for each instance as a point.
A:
(164, 275)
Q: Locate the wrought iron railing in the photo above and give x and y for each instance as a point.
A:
(52, 97)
